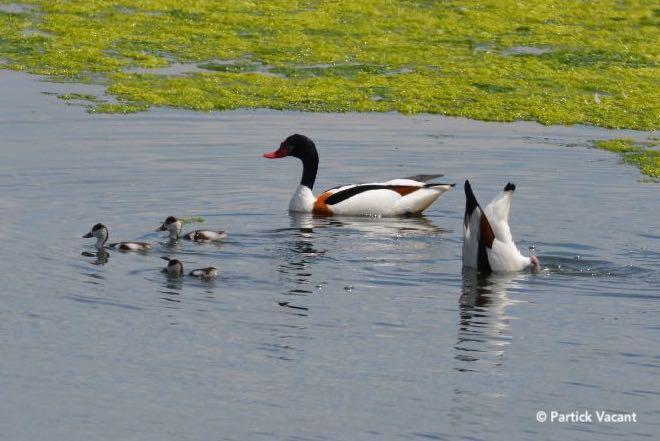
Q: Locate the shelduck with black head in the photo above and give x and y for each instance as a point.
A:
(398, 197)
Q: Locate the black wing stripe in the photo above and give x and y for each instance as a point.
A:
(470, 202)
(350, 192)
(423, 178)
(341, 196)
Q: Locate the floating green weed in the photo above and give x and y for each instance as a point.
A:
(642, 154)
(556, 62)
(118, 108)
(78, 96)
(191, 220)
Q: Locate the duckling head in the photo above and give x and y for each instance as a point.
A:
(174, 267)
(100, 232)
(171, 225)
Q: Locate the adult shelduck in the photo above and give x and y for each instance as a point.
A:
(487, 242)
(406, 196)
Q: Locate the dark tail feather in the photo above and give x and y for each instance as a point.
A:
(165, 258)
(510, 187)
(436, 184)
(470, 202)
(423, 178)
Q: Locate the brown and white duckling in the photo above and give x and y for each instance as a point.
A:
(100, 232)
(175, 269)
(173, 226)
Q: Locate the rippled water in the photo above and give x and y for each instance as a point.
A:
(317, 329)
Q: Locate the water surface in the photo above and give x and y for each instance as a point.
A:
(317, 329)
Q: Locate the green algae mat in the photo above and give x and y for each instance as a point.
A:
(644, 154)
(558, 62)
(555, 62)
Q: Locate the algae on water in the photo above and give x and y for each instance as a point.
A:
(556, 62)
(642, 154)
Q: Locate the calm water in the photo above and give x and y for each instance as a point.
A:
(317, 329)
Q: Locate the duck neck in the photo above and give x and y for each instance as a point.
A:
(100, 241)
(310, 166)
(302, 200)
(174, 232)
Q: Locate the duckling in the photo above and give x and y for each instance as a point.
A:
(174, 225)
(175, 269)
(100, 232)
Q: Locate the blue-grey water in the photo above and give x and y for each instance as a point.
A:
(316, 329)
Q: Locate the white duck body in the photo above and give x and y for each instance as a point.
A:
(487, 241)
(398, 197)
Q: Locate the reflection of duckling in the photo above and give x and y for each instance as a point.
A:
(174, 225)
(101, 256)
(175, 269)
(100, 232)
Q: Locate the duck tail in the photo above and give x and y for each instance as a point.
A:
(439, 186)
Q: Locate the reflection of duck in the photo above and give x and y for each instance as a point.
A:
(299, 252)
(100, 232)
(483, 339)
(392, 198)
(484, 322)
(392, 225)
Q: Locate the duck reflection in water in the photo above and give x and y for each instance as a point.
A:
(484, 336)
(299, 254)
(385, 226)
(101, 256)
(172, 288)
(484, 325)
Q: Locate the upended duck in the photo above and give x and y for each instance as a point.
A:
(100, 232)
(174, 268)
(398, 197)
(173, 226)
(488, 245)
